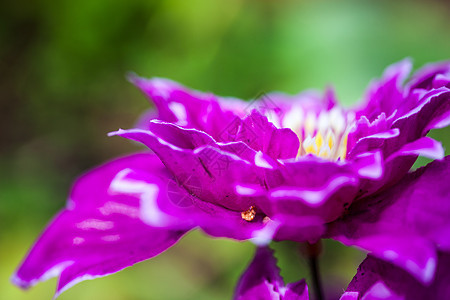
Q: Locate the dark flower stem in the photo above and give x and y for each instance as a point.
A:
(312, 252)
(315, 274)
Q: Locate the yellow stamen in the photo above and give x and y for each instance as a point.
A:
(324, 153)
(330, 140)
(309, 149)
(319, 140)
(343, 146)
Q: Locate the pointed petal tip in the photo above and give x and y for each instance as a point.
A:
(401, 69)
(17, 281)
(426, 147)
(114, 133)
(26, 276)
(132, 77)
(142, 82)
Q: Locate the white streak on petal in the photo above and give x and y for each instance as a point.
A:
(315, 197)
(379, 291)
(161, 88)
(50, 273)
(263, 236)
(78, 240)
(374, 169)
(350, 296)
(148, 193)
(94, 224)
(119, 208)
(150, 212)
(245, 191)
(260, 161)
(429, 270)
(390, 255)
(426, 273)
(111, 238)
(385, 134)
(180, 112)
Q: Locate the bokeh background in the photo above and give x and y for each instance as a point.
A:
(62, 88)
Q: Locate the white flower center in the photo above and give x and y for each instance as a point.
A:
(324, 134)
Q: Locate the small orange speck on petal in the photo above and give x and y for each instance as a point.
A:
(249, 214)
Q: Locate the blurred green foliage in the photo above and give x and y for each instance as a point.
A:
(62, 88)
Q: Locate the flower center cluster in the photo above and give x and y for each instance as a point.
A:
(322, 134)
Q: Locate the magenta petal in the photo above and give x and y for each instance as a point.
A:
(385, 95)
(189, 108)
(425, 146)
(143, 121)
(187, 153)
(377, 279)
(316, 188)
(261, 135)
(202, 192)
(400, 162)
(179, 209)
(299, 229)
(372, 142)
(442, 80)
(78, 247)
(220, 222)
(426, 77)
(418, 121)
(262, 280)
(405, 223)
(396, 120)
(100, 232)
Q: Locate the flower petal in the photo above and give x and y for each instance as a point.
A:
(180, 209)
(396, 120)
(100, 231)
(261, 135)
(306, 194)
(429, 76)
(313, 187)
(400, 162)
(189, 108)
(262, 280)
(425, 146)
(405, 223)
(202, 190)
(430, 110)
(377, 279)
(385, 95)
(193, 155)
(421, 118)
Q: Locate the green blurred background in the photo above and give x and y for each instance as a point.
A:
(62, 88)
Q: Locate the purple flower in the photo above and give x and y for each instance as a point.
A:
(280, 168)
(377, 279)
(374, 280)
(408, 224)
(262, 280)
